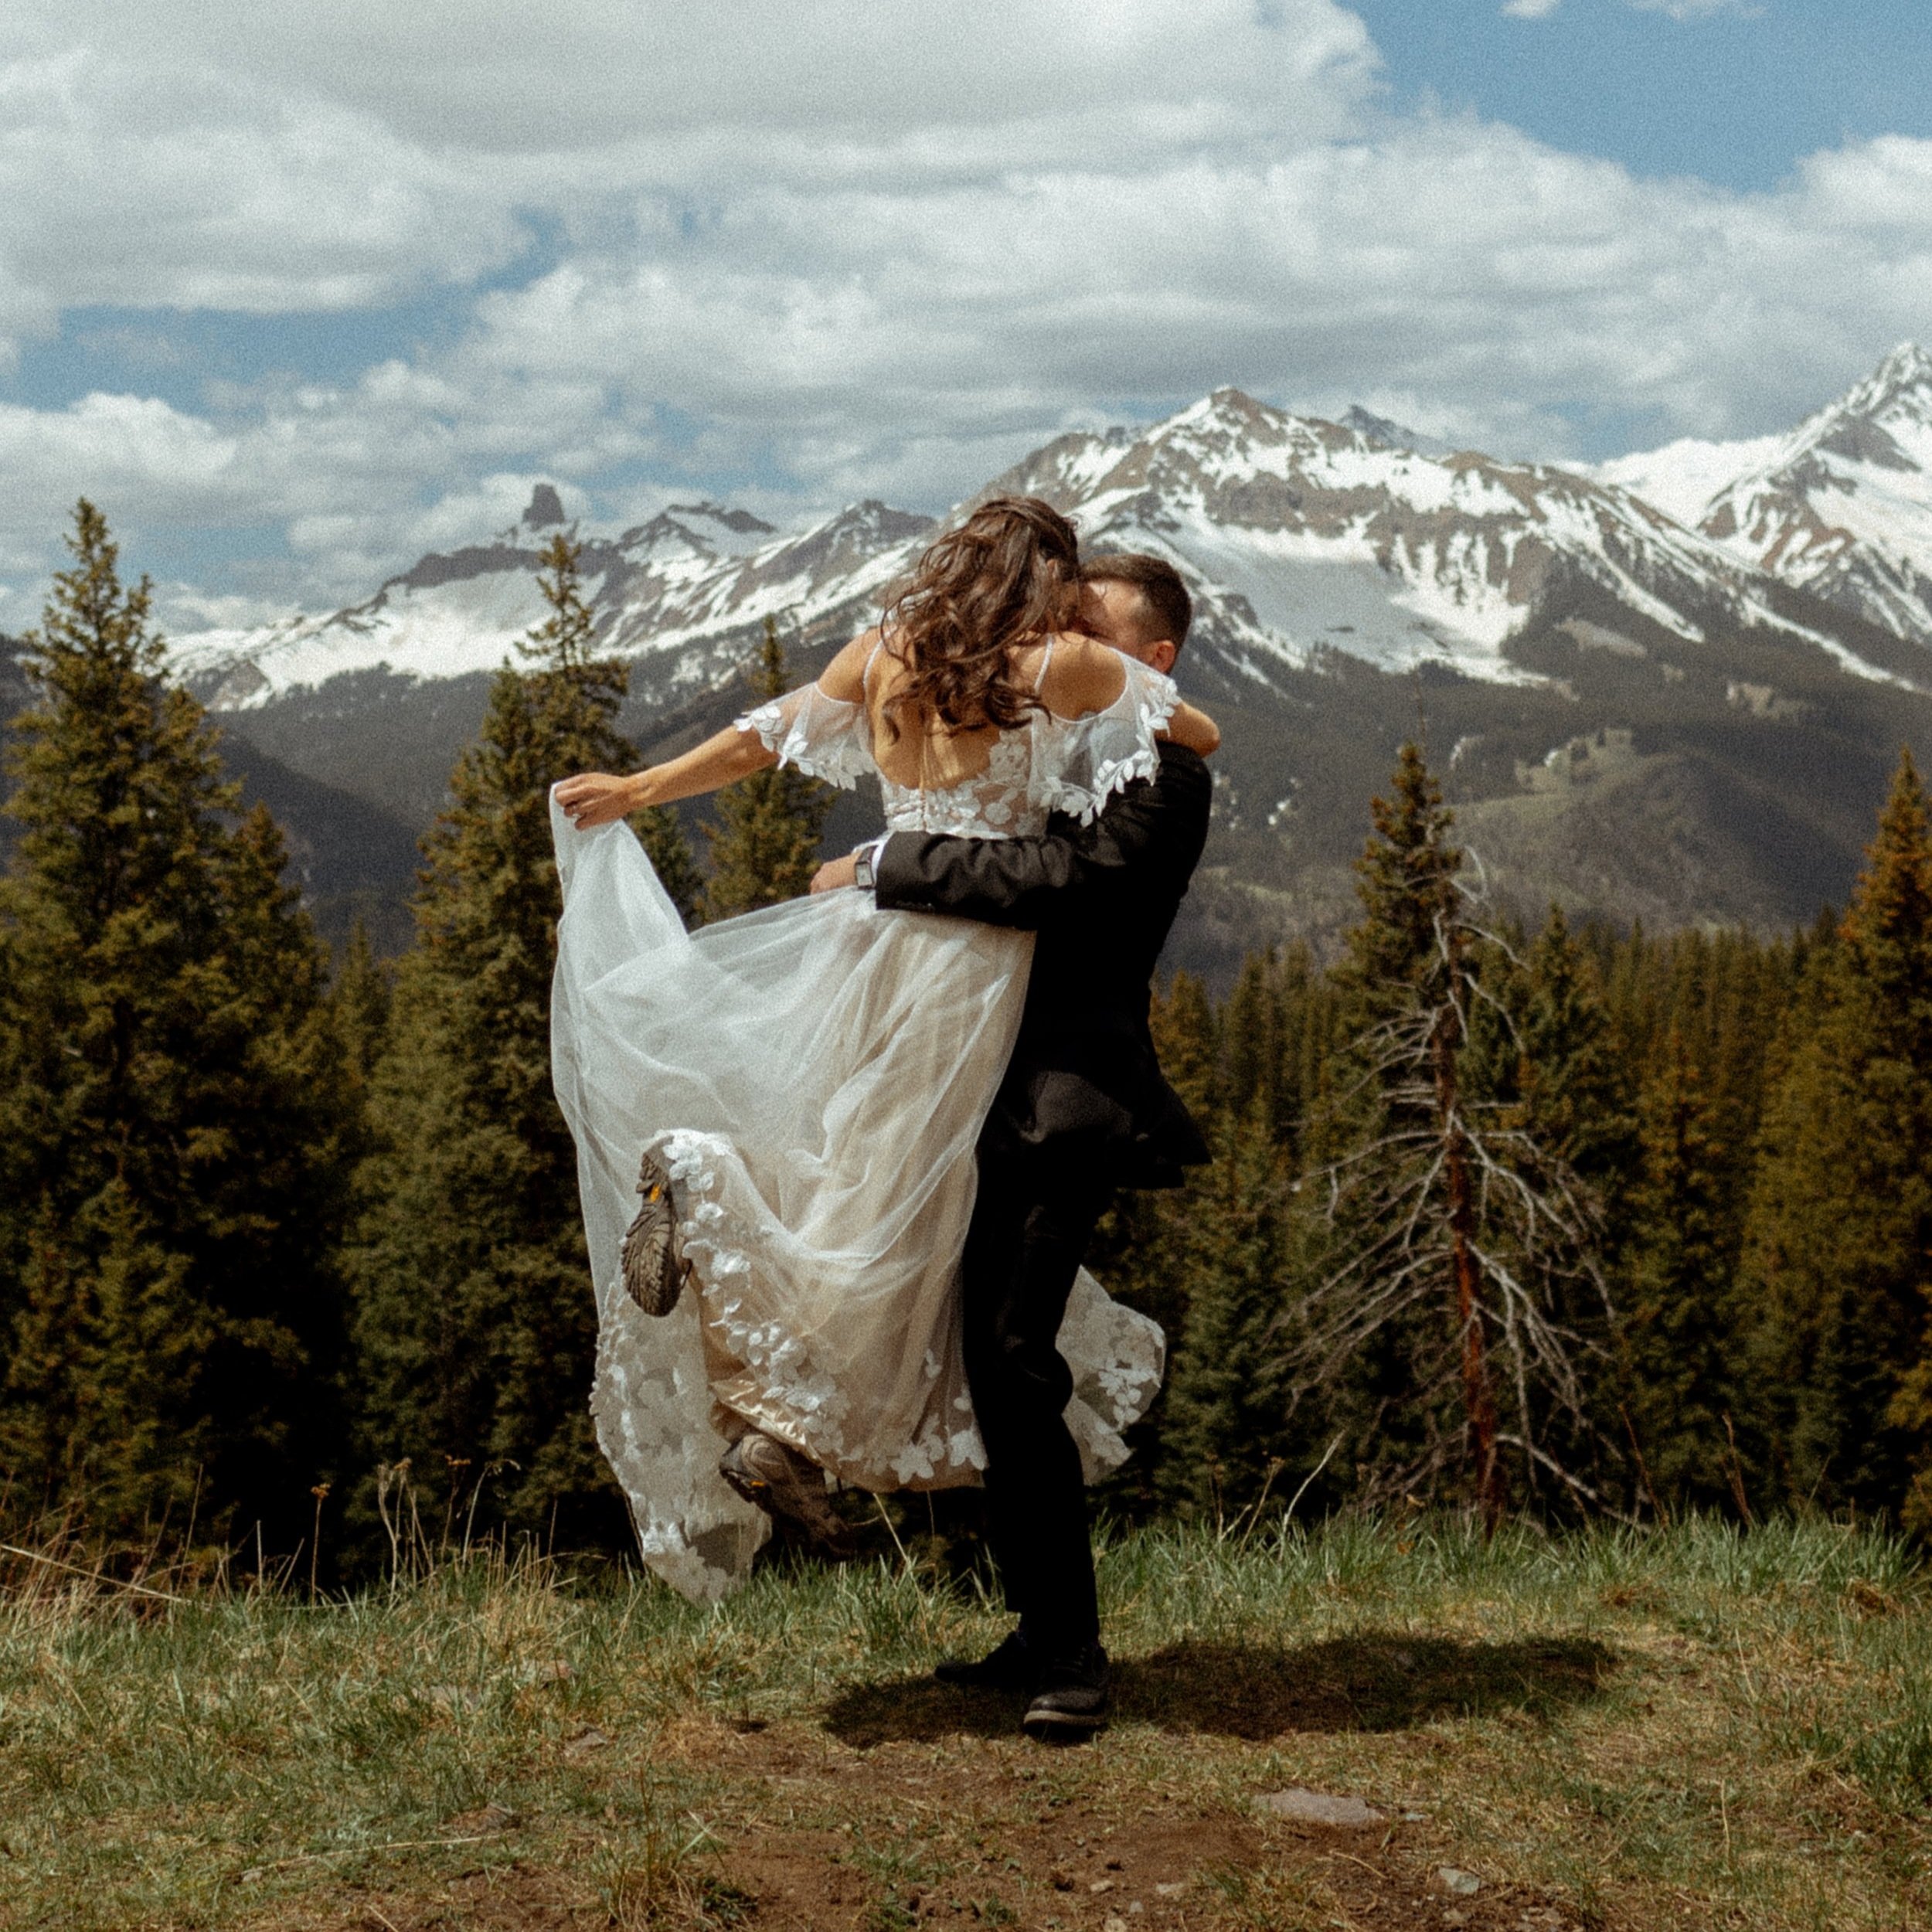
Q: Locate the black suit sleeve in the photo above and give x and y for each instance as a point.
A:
(1149, 837)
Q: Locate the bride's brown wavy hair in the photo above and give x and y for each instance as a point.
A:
(1000, 578)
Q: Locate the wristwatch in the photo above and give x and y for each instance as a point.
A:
(862, 873)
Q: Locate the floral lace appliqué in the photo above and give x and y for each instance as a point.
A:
(1044, 765)
(823, 736)
(815, 1409)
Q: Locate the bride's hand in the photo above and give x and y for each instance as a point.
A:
(1194, 728)
(598, 798)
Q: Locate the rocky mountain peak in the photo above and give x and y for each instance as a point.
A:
(704, 529)
(1306, 541)
(1904, 379)
(873, 518)
(1384, 433)
(1843, 508)
(1876, 422)
(740, 522)
(1063, 469)
(1228, 412)
(546, 509)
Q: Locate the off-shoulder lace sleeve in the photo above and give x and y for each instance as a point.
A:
(823, 736)
(1080, 762)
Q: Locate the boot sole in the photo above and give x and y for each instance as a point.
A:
(651, 1258)
(765, 1496)
(1061, 1727)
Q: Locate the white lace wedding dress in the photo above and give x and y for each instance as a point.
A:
(814, 1076)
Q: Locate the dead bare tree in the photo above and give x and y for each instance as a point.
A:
(1452, 1232)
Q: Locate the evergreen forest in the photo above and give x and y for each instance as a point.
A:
(1544, 1221)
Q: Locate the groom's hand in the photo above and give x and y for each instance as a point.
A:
(835, 873)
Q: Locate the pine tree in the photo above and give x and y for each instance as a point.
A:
(1575, 1091)
(1678, 1317)
(661, 834)
(1146, 1247)
(1253, 1050)
(1461, 1244)
(475, 1322)
(1409, 974)
(361, 995)
(1276, 1035)
(764, 847)
(1183, 1026)
(569, 678)
(1231, 1422)
(1839, 1246)
(171, 1102)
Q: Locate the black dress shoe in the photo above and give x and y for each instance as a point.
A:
(1071, 1700)
(1012, 1667)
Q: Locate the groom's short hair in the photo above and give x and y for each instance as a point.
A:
(1169, 608)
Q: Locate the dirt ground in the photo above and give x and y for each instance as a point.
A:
(1692, 1732)
(913, 1807)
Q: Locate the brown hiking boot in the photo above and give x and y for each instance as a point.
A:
(652, 1256)
(785, 1485)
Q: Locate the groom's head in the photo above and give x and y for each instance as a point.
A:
(1137, 603)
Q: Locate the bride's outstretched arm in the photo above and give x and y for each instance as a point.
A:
(599, 797)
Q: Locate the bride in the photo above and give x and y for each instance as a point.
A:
(813, 1076)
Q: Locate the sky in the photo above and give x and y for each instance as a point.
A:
(298, 293)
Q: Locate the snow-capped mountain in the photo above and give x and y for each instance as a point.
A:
(672, 589)
(1393, 435)
(1303, 539)
(1842, 507)
(1635, 716)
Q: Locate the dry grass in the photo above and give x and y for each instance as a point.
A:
(1690, 1728)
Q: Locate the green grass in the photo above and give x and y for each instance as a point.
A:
(1692, 1727)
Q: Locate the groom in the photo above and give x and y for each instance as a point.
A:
(1083, 1110)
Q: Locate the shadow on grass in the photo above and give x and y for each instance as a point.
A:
(1369, 1683)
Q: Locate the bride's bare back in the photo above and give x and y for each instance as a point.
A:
(1072, 675)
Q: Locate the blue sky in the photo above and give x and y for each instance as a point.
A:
(1732, 94)
(298, 293)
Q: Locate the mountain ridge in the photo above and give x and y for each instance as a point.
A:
(1841, 505)
(1453, 548)
(1345, 583)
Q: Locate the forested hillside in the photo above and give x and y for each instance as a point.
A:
(1555, 1220)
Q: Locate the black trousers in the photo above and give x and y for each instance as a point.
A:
(1031, 1225)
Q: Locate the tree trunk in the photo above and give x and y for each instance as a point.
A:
(1478, 1399)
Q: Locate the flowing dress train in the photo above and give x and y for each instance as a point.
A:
(815, 1076)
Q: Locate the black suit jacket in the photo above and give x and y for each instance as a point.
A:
(1084, 1084)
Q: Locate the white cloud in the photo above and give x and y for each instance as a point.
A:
(853, 249)
(206, 192)
(511, 76)
(1676, 9)
(1699, 9)
(233, 156)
